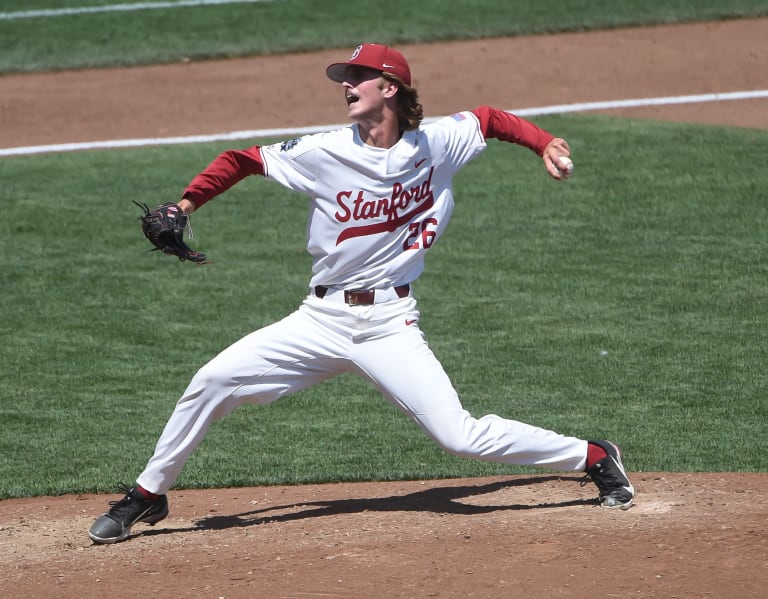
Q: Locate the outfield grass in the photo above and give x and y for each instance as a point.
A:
(628, 302)
(170, 35)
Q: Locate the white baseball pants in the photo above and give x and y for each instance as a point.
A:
(380, 342)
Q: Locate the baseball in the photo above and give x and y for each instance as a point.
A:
(564, 165)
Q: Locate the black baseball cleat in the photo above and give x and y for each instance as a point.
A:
(611, 479)
(115, 525)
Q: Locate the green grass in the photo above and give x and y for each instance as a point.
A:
(170, 35)
(628, 303)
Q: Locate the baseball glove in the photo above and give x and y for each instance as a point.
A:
(164, 227)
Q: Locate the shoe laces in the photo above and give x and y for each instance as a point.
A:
(117, 505)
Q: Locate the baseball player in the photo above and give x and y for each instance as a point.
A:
(379, 196)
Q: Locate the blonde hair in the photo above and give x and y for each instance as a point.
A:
(409, 111)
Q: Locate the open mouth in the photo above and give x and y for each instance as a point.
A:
(351, 99)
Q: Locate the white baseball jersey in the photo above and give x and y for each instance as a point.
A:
(375, 212)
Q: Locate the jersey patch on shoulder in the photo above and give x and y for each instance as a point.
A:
(458, 116)
(289, 144)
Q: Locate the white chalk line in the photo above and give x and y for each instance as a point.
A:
(294, 131)
(83, 10)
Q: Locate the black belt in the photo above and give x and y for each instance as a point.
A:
(362, 297)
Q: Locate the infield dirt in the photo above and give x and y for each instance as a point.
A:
(690, 535)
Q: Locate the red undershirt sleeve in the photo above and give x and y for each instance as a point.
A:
(508, 127)
(227, 169)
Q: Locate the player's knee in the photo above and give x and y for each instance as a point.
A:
(450, 431)
(462, 436)
(208, 377)
(459, 448)
(454, 444)
(219, 385)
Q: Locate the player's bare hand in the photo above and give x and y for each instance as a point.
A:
(555, 150)
(187, 206)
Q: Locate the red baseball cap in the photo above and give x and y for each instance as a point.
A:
(374, 56)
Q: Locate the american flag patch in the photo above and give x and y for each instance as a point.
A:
(458, 116)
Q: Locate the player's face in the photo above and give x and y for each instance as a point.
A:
(363, 92)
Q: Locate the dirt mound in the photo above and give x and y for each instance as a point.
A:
(690, 535)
